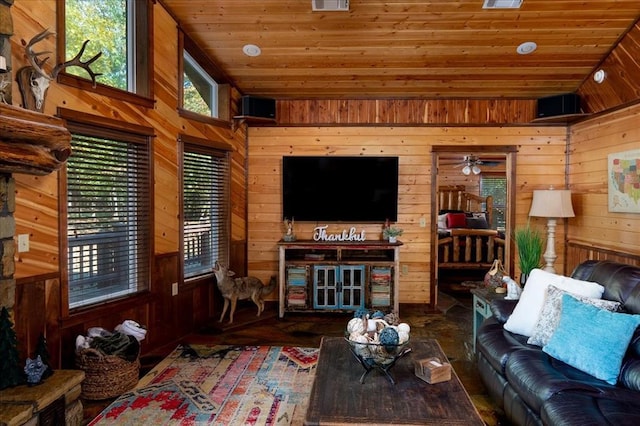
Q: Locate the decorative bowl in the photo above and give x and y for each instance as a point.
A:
(377, 354)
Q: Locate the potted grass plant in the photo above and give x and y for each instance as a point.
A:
(529, 242)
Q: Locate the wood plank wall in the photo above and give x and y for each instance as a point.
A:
(37, 271)
(540, 162)
(590, 144)
(405, 111)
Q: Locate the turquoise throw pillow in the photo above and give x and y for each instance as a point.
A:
(591, 339)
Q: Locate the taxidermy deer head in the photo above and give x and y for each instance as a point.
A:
(33, 81)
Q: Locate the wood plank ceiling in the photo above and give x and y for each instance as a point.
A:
(406, 48)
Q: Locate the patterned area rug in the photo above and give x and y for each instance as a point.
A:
(220, 385)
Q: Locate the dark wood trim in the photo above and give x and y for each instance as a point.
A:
(109, 123)
(510, 153)
(95, 312)
(190, 115)
(579, 251)
(193, 140)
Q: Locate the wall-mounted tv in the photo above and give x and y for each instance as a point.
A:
(340, 189)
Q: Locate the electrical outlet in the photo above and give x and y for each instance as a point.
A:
(405, 269)
(423, 222)
(23, 243)
(174, 289)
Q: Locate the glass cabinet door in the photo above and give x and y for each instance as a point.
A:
(353, 284)
(338, 287)
(325, 287)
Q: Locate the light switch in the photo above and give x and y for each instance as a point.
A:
(423, 222)
(23, 243)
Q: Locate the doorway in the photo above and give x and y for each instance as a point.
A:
(479, 171)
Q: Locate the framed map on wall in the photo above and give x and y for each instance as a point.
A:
(624, 181)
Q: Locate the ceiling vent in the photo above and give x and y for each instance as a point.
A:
(330, 5)
(502, 4)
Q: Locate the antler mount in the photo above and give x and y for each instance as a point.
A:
(33, 80)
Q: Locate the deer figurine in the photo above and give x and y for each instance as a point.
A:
(33, 81)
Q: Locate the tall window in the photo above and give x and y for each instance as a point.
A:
(496, 186)
(121, 30)
(200, 91)
(205, 195)
(109, 215)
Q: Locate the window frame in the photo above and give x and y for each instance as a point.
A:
(96, 126)
(185, 44)
(188, 143)
(213, 85)
(143, 65)
(496, 207)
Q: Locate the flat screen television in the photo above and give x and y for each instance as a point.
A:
(340, 189)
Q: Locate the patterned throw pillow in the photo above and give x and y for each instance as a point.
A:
(550, 314)
(527, 311)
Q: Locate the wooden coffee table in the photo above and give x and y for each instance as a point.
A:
(338, 398)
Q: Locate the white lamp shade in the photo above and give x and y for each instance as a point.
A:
(466, 170)
(551, 203)
(476, 170)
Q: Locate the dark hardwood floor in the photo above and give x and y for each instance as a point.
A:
(451, 324)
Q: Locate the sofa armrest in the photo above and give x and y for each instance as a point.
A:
(502, 309)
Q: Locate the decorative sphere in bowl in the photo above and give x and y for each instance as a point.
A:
(376, 339)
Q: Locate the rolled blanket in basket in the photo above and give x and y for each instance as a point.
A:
(119, 344)
(132, 328)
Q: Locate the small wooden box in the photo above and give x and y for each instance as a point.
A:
(432, 370)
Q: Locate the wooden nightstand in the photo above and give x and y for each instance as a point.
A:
(482, 298)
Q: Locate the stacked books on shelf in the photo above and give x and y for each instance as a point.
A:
(297, 287)
(380, 286)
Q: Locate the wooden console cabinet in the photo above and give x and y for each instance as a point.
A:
(338, 276)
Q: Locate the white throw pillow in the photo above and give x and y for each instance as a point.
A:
(442, 221)
(527, 311)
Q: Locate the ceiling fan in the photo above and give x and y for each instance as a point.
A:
(471, 164)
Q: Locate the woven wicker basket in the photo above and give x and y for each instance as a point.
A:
(106, 376)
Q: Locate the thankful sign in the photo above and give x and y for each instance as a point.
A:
(320, 234)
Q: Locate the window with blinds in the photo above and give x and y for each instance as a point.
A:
(205, 194)
(108, 219)
(496, 186)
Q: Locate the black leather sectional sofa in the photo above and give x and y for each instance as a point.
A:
(534, 388)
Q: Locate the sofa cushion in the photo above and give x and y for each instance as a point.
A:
(630, 374)
(573, 408)
(497, 344)
(550, 314)
(591, 339)
(622, 281)
(536, 376)
(527, 311)
(502, 309)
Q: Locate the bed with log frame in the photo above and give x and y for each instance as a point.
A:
(468, 243)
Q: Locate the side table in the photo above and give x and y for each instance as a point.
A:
(482, 298)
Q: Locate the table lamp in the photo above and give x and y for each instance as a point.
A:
(551, 203)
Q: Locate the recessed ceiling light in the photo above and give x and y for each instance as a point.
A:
(599, 76)
(526, 48)
(251, 50)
